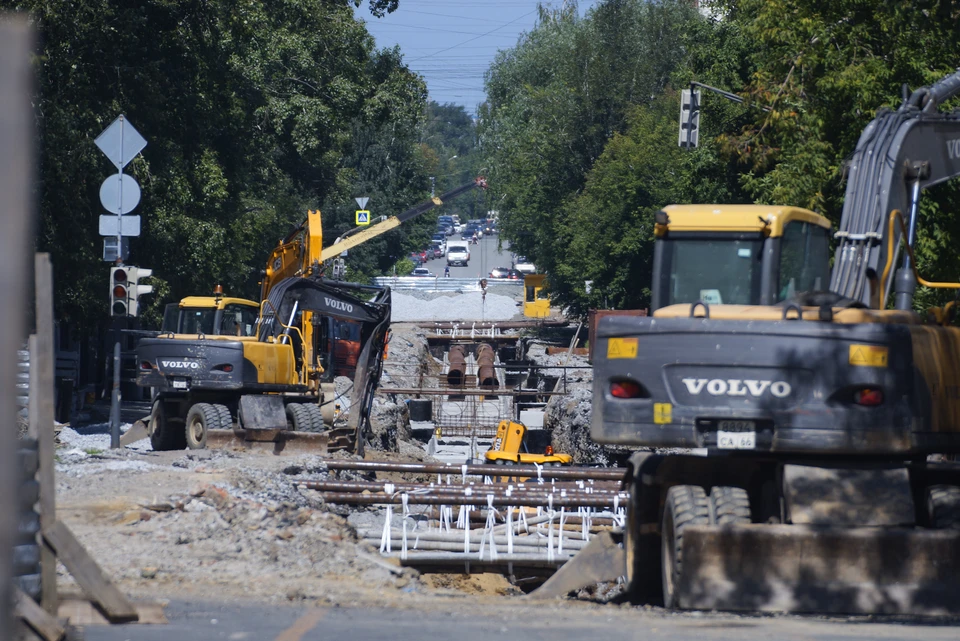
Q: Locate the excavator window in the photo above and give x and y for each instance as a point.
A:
(238, 320)
(718, 268)
(197, 320)
(804, 259)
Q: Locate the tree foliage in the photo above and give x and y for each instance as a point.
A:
(581, 121)
(254, 112)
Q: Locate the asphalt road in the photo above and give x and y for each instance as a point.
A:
(483, 257)
(458, 618)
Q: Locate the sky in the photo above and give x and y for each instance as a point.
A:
(451, 43)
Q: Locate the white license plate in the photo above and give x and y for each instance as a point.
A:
(736, 435)
(179, 383)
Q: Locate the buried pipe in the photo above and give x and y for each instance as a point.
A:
(476, 536)
(486, 374)
(392, 488)
(458, 366)
(497, 501)
(526, 471)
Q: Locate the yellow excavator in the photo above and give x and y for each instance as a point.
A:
(797, 434)
(267, 369)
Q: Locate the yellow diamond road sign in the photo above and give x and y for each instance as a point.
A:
(363, 217)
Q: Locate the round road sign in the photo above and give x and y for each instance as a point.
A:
(119, 194)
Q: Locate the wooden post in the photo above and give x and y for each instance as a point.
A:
(42, 361)
(17, 134)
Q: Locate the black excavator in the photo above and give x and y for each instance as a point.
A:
(798, 446)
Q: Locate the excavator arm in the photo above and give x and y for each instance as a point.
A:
(359, 235)
(900, 153)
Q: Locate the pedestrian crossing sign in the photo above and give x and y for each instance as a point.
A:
(363, 217)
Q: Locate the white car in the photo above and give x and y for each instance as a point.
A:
(524, 266)
(422, 272)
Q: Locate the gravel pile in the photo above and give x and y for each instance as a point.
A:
(229, 535)
(467, 306)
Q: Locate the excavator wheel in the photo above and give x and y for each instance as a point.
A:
(316, 417)
(299, 418)
(641, 554)
(226, 419)
(686, 505)
(731, 505)
(201, 418)
(943, 504)
(163, 435)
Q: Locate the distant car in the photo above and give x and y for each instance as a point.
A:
(499, 272)
(469, 231)
(489, 227)
(524, 266)
(422, 272)
(446, 230)
(440, 236)
(437, 250)
(418, 258)
(514, 275)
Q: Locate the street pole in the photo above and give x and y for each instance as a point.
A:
(115, 395)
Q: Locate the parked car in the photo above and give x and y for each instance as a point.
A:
(446, 229)
(440, 236)
(437, 249)
(499, 272)
(524, 266)
(418, 258)
(422, 272)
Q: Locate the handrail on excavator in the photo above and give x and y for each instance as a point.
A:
(897, 215)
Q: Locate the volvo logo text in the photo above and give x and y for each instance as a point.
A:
(736, 387)
(180, 364)
(338, 304)
(953, 149)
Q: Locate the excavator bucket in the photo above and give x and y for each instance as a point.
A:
(791, 568)
(602, 560)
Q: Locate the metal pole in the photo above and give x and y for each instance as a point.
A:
(115, 398)
(17, 135)
(529, 471)
(120, 209)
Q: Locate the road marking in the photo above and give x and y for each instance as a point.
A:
(302, 625)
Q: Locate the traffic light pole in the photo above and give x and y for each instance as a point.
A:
(115, 394)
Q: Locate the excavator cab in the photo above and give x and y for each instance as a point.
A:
(738, 254)
(211, 316)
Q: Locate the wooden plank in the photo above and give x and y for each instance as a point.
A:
(115, 607)
(80, 612)
(46, 626)
(42, 363)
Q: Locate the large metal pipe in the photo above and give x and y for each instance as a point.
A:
(486, 374)
(458, 366)
(525, 471)
(497, 488)
(497, 501)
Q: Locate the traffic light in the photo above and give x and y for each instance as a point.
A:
(118, 291)
(135, 289)
(689, 118)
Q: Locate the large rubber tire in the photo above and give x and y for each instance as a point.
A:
(299, 418)
(731, 505)
(226, 419)
(642, 551)
(316, 417)
(686, 505)
(164, 435)
(943, 505)
(201, 418)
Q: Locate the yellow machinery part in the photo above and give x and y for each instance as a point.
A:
(274, 362)
(767, 219)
